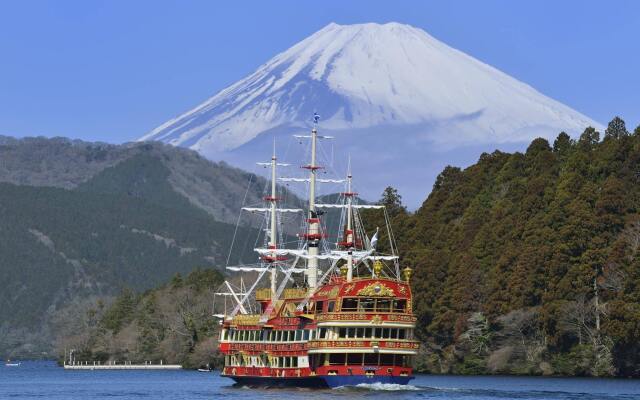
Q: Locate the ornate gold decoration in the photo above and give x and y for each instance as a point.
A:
(349, 288)
(343, 270)
(246, 319)
(359, 317)
(402, 289)
(294, 293)
(376, 320)
(376, 289)
(377, 267)
(406, 274)
(333, 293)
(263, 294)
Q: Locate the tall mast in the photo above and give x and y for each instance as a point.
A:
(313, 235)
(350, 236)
(273, 234)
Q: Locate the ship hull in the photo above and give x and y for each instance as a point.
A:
(332, 381)
(270, 382)
(354, 380)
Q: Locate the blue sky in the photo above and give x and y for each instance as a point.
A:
(113, 70)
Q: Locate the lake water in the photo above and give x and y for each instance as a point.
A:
(45, 380)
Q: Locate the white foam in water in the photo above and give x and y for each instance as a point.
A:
(384, 386)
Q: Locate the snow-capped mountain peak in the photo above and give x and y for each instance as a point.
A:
(391, 79)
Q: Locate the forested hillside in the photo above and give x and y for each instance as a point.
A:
(60, 162)
(525, 263)
(126, 226)
(172, 323)
(529, 263)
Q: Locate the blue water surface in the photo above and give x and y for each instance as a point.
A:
(45, 380)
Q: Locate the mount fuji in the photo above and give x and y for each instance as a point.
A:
(400, 102)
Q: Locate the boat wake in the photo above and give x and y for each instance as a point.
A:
(391, 387)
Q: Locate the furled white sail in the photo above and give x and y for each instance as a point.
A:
(263, 209)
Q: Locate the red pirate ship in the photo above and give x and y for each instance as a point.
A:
(334, 314)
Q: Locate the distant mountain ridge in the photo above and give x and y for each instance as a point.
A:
(390, 90)
(60, 162)
(84, 220)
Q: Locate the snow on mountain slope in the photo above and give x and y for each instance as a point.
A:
(379, 84)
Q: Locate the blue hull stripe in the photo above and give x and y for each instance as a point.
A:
(353, 380)
(332, 381)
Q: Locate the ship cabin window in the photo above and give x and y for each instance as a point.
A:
(331, 306)
(373, 333)
(386, 359)
(350, 304)
(298, 335)
(370, 359)
(319, 307)
(383, 305)
(367, 359)
(305, 334)
(322, 333)
(354, 359)
(337, 359)
(400, 305)
(366, 305)
(225, 334)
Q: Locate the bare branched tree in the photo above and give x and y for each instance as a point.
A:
(613, 278)
(631, 235)
(478, 333)
(578, 318)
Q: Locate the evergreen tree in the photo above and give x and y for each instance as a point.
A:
(562, 145)
(616, 129)
(589, 138)
(392, 200)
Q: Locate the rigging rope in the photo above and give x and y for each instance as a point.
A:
(244, 199)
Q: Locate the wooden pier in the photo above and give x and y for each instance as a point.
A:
(96, 365)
